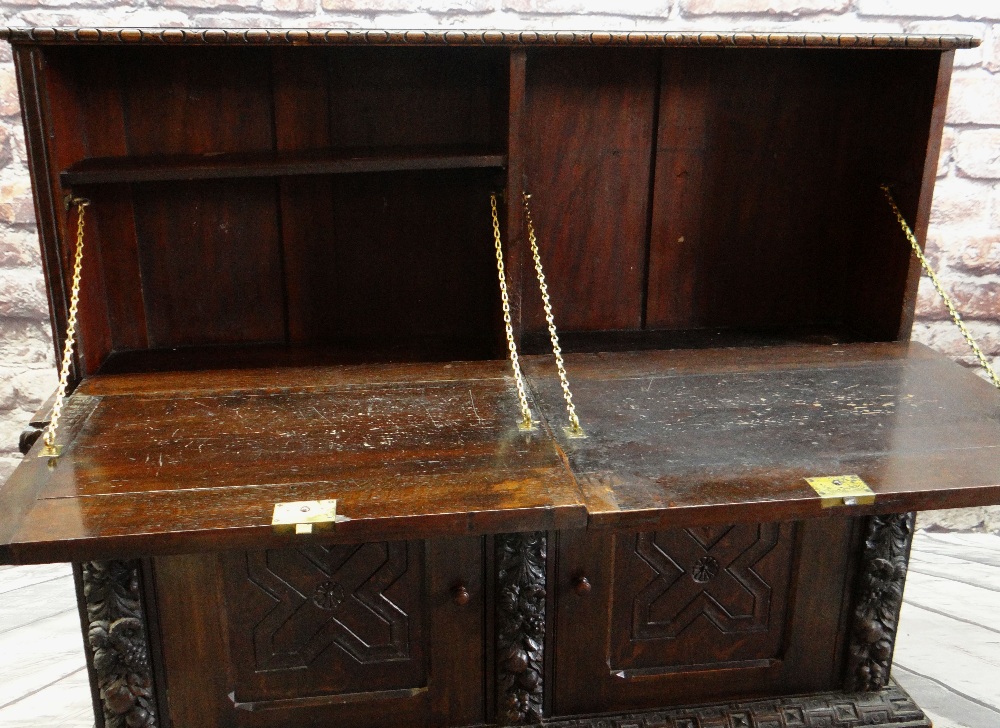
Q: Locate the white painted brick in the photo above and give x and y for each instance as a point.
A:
(8, 398)
(234, 20)
(26, 342)
(945, 337)
(763, 7)
(970, 9)
(974, 98)
(961, 202)
(241, 5)
(34, 386)
(965, 58)
(443, 7)
(9, 104)
(991, 50)
(16, 205)
(647, 8)
(977, 153)
(289, 6)
(947, 154)
(18, 249)
(979, 255)
(6, 150)
(22, 294)
(12, 423)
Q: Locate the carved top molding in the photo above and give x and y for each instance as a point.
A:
(284, 37)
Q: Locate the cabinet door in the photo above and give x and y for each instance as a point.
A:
(373, 634)
(700, 614)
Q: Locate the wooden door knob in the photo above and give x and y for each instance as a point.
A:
(460, 595)
(581, 585)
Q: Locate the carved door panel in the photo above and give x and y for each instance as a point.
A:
(681, 616)
(374, 634)
(326, 620)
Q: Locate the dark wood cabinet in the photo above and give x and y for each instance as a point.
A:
(697, 615)
(371, 634)
(291, 293)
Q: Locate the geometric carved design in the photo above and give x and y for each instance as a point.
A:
(117, 637)
(706, 572)
(329, 595)
(890, 707)
(520, 619)
(879, 598)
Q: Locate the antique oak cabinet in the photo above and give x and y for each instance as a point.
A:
(289, 293)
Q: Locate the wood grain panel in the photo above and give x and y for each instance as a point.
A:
(385, 262)
(766, 210)
(210, 100)
(745, 211)
(589, 137)
(202, 283)
(417, 97)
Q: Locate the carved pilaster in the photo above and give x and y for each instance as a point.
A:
(117, 637)
(520, 620)
(879, 598)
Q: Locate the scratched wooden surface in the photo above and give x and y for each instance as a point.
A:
(947, 654)
(176, 462)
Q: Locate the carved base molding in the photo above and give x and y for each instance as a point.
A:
(117, 637)
(890, 707)
(520, 615)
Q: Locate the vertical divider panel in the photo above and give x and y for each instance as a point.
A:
(302, 107)
(514, 240)
(678, 195)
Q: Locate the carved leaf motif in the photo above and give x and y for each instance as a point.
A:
(880, 596)
(117, 637)
(520, 627)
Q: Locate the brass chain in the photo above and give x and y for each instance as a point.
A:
(50, 449)
(949, 304)
(522, 396)
(574, 421)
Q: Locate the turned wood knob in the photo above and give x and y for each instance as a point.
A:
(460, 595)
(581, 585)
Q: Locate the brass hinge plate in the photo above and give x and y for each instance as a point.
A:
(842, 490)
(303, 514)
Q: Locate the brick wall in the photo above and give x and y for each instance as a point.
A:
(964, 239)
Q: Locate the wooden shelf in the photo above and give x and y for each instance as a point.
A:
(433, 449)
(112, 170)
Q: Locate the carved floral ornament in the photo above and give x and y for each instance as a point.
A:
(880, 596)
(520, 627)
(117, 638)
